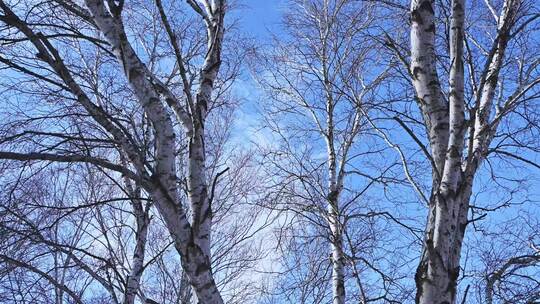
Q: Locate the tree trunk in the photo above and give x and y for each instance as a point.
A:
(193, 249)
(438, 271)
(336, 247)
(453, 174)
(198, 196)
(137, 267)
(195, 262)
(336, 234)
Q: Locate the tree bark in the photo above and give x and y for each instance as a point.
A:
(334, 188)
(453, 174)
(336, 247)
(438, 271)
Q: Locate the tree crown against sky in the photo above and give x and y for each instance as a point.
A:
(273, 152)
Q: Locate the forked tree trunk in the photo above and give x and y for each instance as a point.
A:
(191, 240)
(438, 270)
(453, 174)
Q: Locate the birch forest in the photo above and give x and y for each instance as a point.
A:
(269, 152)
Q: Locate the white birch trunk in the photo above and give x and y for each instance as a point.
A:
(336, 247)
(437, 274)
(160, 181)
(453, 175)
(426, 80)
(193, 249)
(334, 223)
(198, 179)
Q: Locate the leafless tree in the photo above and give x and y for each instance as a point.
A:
(123, 183)
(322, 78)
(130, 87)
(474, 69)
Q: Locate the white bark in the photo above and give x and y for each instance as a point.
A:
(453, 175)
(336, 175)
(198, 179)
(336, 247)
(334, 222)
(426, 79)
(134, 277)
(192, 240)
(439, 269)
(322, 74)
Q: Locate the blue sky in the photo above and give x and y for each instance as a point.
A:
(258, 16)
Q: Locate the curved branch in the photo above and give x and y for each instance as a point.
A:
(69, 159)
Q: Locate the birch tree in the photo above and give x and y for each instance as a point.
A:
(491, 67)
(321, 79)
(180, 89)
